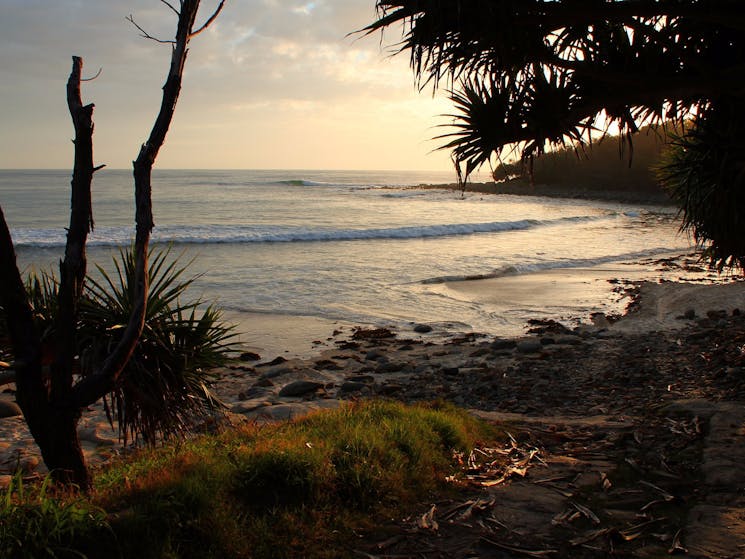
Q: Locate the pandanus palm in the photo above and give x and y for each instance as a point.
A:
(528, 75)
(166, 386)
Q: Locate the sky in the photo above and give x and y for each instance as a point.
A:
(272, 84)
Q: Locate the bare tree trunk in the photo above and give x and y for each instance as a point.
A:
(91, 388)
(52, 404)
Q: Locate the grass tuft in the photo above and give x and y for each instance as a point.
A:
(297, 489)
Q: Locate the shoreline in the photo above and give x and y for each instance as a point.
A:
(571, 296)
(522, 187)
(367, 362)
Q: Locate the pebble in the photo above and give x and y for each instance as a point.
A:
(422, 328)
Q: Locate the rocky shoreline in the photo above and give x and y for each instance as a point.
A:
(603, 368)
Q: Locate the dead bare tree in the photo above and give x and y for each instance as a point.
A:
(52, 398)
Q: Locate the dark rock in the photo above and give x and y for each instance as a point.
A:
(390, 388)
(361, 378)
(375, 355)
(736, 312)
(348, 387)
(529, 346)
(327, 364)
(252, 392)
(275, 361)
(450, 371)
(569, 340)
(300, 388)
(264, 382)
(249, 356)
(422, 328)
(690, 314)
(716, 315)
(274, 373)
(407, 347)
(503, 344)
(547, 340)
(480, 352)
(372, 334)
(394, 367)
(9, 408)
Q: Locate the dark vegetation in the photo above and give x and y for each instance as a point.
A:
(165, 389)
(303, 489)
(528, 75)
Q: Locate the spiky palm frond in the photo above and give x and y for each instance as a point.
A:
(561, 64)
(704, 172)
(164, 388)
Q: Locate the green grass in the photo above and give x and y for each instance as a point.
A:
(298, 489)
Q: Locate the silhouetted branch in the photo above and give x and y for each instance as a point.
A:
(175, 11)
(210, 20)
(92, 387)
(147, 35)
(94, 77)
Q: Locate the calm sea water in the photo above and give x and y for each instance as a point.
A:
(351, 246)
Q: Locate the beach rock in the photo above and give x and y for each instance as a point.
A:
(480, 352)
(282, 412)
(422, 328)
(375, 355)
(348, 387)
(9, 408)
(390, 388)
(299, 388)
(499, 344)
(252, 392)
(393, 367)
(250, 406)
(529, 346)
(264, 382)
(568, 340)
(249, 356)
(276, 372)
(326, 364)
(276, 361)
(361, 378)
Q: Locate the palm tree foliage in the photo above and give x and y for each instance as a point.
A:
(532, 74)
(704, 172)
(165, 387)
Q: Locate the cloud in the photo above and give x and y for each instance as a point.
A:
(261, 61)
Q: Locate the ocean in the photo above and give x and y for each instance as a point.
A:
(353, 247)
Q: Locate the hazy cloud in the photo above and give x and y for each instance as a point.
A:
(265, 67)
